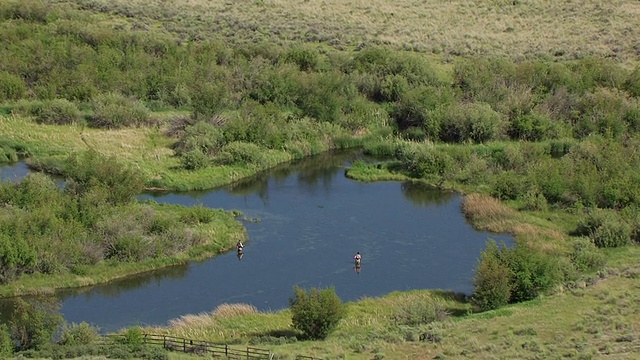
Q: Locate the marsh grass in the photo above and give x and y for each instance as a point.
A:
(488, 213)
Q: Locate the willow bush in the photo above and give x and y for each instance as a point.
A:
(315, 312)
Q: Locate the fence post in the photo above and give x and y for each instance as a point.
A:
(226, 350)
(184, 345)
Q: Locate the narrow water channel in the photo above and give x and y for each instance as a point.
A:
(311, 221)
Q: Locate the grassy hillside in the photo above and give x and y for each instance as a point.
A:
(519, 29)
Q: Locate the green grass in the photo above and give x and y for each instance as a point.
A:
(596, 319)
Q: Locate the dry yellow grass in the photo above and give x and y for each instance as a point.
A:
(482, 208)
(514, 28)
(210, 319)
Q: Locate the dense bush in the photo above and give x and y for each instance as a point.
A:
(514, 275)
(11, 87)
(533, 273)
(492, 279)
(585, 256)
(316, 312)
(6, 343)
(89, 170)
(476, 122)
(423, 162)
(35, 322)
(79, 334)
(113, 111)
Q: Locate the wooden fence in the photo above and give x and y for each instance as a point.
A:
(204, 347)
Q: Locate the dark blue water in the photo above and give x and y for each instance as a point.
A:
(312, 220)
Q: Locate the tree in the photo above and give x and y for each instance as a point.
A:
(35, 322)
(317, 312)
(492, 280)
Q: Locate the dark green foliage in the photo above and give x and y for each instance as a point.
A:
(305, 58)
(585, 256)
(476, 122)
(605, 228)
(531, 127)
(421, 162)
(316, 312)
(322, 96)
(508, 185)
(6, 343)
(16, 257)
(632, 84)
(113, 111)
(11, 87)
(79, 334)
(533, 273)
(134, 338)
(35, 322)
(90, 170)
(208, 99)
(198, 143)
(513, 275)
(197, 215)
(492, 279)
(57, 111)
(30, 10)
(241, 153)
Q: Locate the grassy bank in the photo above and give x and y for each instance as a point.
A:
(596, 318)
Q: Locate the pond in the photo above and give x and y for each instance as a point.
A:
(307, 222)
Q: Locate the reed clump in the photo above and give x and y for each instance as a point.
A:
(486, 209)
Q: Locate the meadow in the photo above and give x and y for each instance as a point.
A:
(530, 108)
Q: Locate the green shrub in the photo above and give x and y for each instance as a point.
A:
(605, 228)
(531, 127)
(35, 322)
(6, 343)
(29, 10)
(492, 279)
(16, 257)
(632, 84)
(89, 170)
(113, 111)
(79, 334)
(307, 59)
(133, 338)
(317, 312)
(208, 99)
(533, 273)
(240, 153)
(534, 200)
(585, 256)
(509, 185)
(59, 112)
(476, 122)
(425, 162)
(194, 160)
(198, 214)
(12, 87)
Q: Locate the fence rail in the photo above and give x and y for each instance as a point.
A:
(204, 347)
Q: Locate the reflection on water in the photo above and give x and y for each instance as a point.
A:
(313, 219)
(424, 195)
